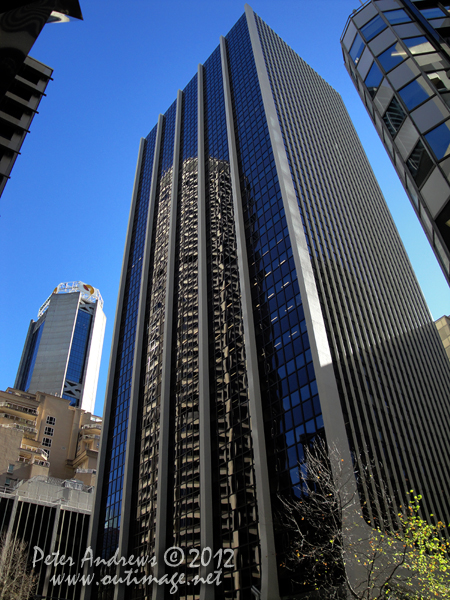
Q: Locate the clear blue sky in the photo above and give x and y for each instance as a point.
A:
(64, 213)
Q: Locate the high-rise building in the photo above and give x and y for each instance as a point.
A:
(265, 299)
(443, 326)
(43, 435)
(23, 79)
(398, 55)
(63, 348)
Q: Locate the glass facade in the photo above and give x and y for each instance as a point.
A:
(62, 349)
(235, 517)
(414, 95)
(112, 484)
(31, 358)
(80, 342)
(265, 358)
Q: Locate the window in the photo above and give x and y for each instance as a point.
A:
(51, 420)
(373, 79)
(439, 140)
(7, 482)
(357, 49)
(373, 28)
(10, 468)
(47, 442)
(432, 13)
(432, 62)
(414, 93)
(441, 82)
(397, 16)
(418, 45)
(392, 57)
(394, 117)
(419, 163)
(49, 431)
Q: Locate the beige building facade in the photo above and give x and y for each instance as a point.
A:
(41, 434)
(443, 326)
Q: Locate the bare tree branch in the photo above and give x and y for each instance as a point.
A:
(17, 581)
(327, 543)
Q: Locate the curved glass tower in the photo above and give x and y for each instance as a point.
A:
(398, 55)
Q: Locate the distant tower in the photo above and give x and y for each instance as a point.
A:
(398, 55)
(23, 79)
(63, 348)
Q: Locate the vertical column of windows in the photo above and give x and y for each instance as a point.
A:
(31, 358)
(143, 541)
(236, 524)
(186, 451)
(78, 349)
(117, 434)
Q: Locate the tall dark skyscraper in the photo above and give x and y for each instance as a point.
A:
(265, 299)
(398, 55)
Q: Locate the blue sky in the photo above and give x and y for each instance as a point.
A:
(64, 213)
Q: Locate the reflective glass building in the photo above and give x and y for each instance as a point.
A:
(265, 299)
(63, 348)
(398, 55)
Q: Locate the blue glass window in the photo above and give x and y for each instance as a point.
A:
(397, 16)
(373, 28)
(373, 79)
(79, 346)
(439, 140)
(32, 355)
(432, 13)
(357, 49)
(418, 45)
(414, 94)
(392, 57)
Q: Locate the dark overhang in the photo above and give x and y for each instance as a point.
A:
(71, 8)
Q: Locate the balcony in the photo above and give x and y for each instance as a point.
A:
(18, 408)
(34, 450)
(92, 426)
(89, 471)
(20, 420)
(34, 461)
(24, 428)
(90, 436)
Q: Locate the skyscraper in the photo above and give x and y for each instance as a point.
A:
(265, 299)
(23, 80)
(63, 348)
(398, 56)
